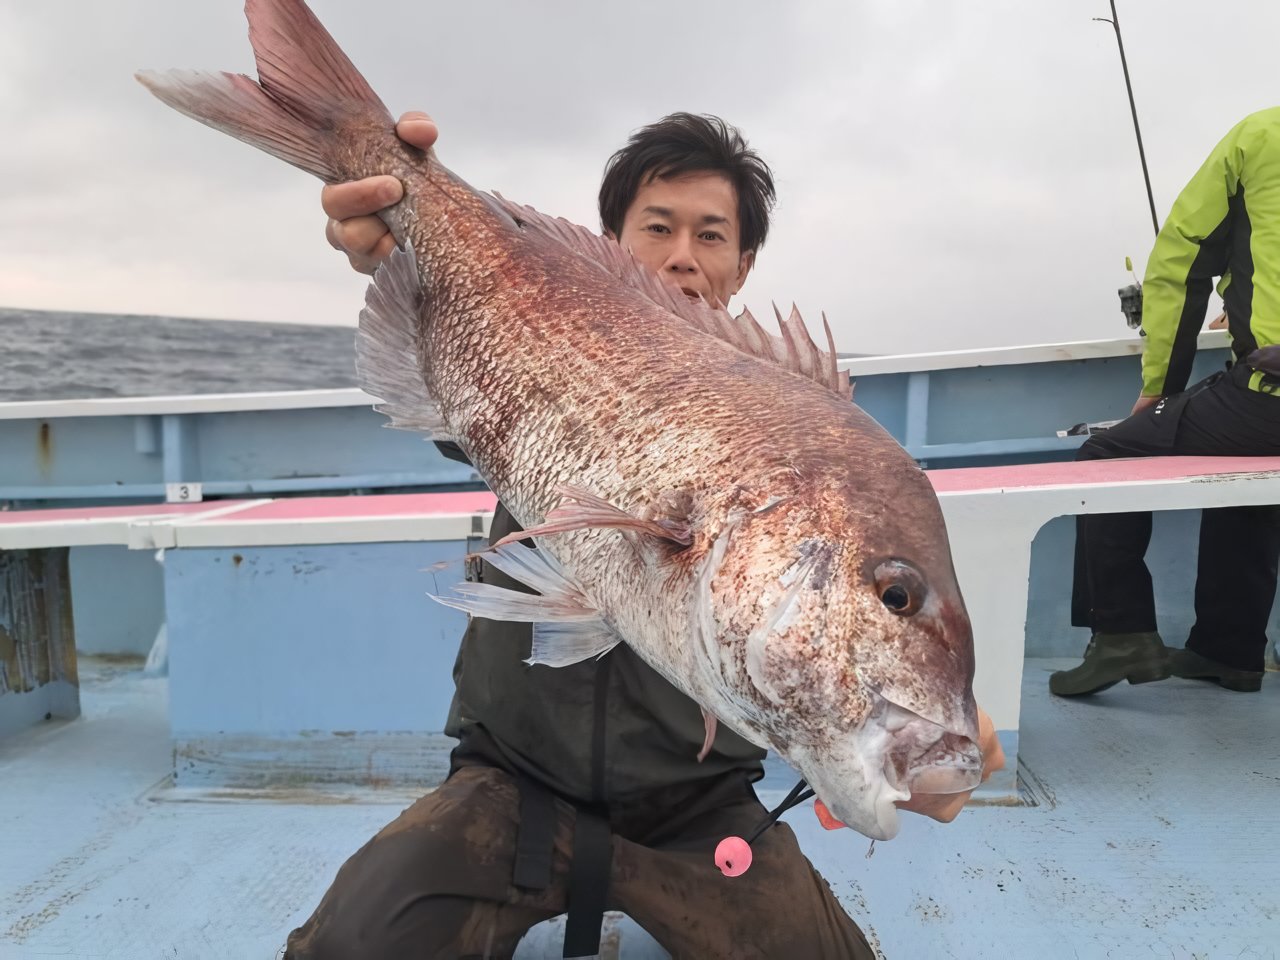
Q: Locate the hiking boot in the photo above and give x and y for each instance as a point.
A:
(1192, 666)
(1110, 658)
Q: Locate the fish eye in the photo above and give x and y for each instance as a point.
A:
(896, 598)
(900, 587)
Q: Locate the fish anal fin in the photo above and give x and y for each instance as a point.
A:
(387, 364)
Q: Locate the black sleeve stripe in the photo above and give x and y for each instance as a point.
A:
(1210, 262)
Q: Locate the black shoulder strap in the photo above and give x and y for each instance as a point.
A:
(535, 837)
(588, 884)
(589, 869)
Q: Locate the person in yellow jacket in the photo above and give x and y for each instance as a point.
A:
(1225, 223)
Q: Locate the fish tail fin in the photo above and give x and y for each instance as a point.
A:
(306, 95)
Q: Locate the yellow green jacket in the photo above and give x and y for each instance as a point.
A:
(1225, 223)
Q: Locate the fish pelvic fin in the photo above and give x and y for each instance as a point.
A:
(307, 90)
(387, 365)
(567, 627)
(709, 726)
(794, 350)
(582, 510)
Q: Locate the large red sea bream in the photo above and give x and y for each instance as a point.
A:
(697, 488)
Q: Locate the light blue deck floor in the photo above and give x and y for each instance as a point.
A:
(1155, 837)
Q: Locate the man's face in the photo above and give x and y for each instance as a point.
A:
(686, 228)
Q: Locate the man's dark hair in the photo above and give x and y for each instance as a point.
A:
(687, 143)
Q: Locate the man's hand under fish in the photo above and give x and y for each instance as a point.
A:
(355, 229)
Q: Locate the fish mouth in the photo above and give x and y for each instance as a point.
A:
(895, 754)
(925, 757)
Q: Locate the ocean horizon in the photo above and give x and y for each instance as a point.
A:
(67, 355)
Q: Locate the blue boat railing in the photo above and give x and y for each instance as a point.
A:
(960, 408)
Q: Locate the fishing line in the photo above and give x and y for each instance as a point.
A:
(798, 795)
(733, 854)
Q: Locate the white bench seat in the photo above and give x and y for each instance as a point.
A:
(992, 515)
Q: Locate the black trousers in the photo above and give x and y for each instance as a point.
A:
(440, 881)
(1239, 546)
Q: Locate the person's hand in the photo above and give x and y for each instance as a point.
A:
(354, 227)
(1144, 403)
(1219, 322)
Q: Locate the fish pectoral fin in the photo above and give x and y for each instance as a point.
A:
(498, 603)
(567, 628)
(709, 724)
(559, 597)
(582, 510)
(387, 363)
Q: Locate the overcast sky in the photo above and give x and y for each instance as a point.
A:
(951, 174)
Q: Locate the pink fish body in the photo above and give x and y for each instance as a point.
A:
(698, 489)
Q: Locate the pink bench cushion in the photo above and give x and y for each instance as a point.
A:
(1012, 477)
(377, 505)
(1021, 476)
(134, 512)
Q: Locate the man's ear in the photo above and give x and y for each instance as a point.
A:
(745, 263)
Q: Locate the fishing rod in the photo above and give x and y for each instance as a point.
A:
(1131, 296)
(1133, 109)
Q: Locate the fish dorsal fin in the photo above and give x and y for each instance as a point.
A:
(387, 364)
(794, 350)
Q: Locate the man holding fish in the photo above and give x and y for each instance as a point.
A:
(683, 227)
(696, 525)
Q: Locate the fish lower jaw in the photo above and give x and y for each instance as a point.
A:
(890, 794)
(872, 810)
(885, 819)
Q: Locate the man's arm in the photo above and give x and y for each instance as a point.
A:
(1190, 250)
(354, 226)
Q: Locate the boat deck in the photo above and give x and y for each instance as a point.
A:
(1147, 830)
